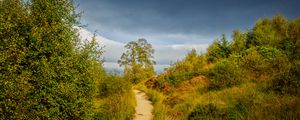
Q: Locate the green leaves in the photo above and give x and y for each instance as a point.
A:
(138, 61)
(139, 52)
(43, 74)
(218, 49)
(226, 73)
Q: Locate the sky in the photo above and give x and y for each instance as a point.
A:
(173, 27)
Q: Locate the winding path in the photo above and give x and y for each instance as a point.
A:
(144, 106)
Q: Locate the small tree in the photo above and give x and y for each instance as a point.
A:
(238, 42)
(137, 60)
(218, 49)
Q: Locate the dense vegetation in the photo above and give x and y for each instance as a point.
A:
(48, 72)
(115, 100)
(256, 75)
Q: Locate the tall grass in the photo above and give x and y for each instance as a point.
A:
(115, 107)
(115, 99)
(245, 101)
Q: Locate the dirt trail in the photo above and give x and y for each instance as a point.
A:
(143, 107)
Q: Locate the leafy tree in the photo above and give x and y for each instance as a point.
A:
(44, 71)
(238, 42)
(270, 32)
(264, 34)
(218, 49)
(138, 60)
(264, 61)
(196, 60)
(226, 73)
(291, 45)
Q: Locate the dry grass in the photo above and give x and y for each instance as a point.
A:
(246, 101)
(115, 107)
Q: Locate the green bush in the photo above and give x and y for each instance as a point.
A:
(263, 62)
(175, 78)
(44, 72)
(189, 67)
(288, 82)
(219, 49)
(113, 85)
(226, 73)
(137, 73)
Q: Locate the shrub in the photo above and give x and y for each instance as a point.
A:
(113, 85)
(218, 49)
(288, 82)
(263, 62)
(186, 69)
(226, 73)
(137, 73)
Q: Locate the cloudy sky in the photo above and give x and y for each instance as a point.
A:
(173, 27)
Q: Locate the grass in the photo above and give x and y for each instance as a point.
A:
(245, 101)
(193, 99)
(115, 107)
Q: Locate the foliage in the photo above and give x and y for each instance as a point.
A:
(115, 99)
(288, 82)
(183, 70)
(238, 111)
(254, 76)
(238, 42)
(218, 49)
(264, 61)
(207, 112)
(44, 73)
(116, 107)
(138, 61)
(137, 73)
(139, 52)
(226, 73)
(279, 32)
(113, 85)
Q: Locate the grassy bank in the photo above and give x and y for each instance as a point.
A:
(115, 100)
(246, 101)
(253, 76)
(115, 107)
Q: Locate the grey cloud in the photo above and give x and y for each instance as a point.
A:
(203, 17)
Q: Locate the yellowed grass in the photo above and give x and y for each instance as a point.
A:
(116, 107)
